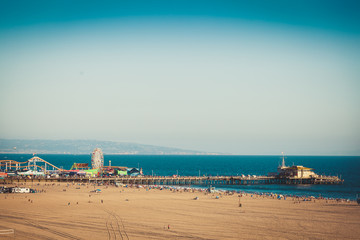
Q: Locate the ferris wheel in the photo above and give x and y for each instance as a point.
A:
(97, 159)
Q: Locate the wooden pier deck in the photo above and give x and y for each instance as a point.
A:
(186, 180)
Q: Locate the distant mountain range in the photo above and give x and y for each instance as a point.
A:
(86, 147)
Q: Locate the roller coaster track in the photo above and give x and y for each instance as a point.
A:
(12, 161)
(31, 160)
(42, 160)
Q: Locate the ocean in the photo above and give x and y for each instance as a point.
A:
(346, 167)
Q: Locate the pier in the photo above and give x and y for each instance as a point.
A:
(184, 180)
(295, 174)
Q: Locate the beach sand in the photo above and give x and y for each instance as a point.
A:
(132, 213)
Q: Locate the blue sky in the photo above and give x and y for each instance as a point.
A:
(242, 77)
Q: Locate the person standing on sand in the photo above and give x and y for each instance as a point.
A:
(169, 226)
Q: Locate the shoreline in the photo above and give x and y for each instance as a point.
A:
(201, 189)
(224, 189)
(237, 190)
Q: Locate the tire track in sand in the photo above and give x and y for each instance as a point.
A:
(61, 234)
(114, 219)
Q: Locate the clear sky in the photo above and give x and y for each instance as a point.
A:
(241, 77)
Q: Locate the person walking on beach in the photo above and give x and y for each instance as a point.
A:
(169, 226)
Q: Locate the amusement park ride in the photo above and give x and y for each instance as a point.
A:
(34, 164)
(38, 166)
(97, 159)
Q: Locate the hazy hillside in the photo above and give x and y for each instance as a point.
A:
(84, 147)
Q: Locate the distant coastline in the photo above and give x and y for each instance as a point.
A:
(160, 154)
(38, 146)
(80, 147)
(181, 154)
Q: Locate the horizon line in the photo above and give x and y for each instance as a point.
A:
(185, 154)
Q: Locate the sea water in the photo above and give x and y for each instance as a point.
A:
(346, 167)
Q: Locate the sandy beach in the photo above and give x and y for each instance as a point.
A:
(72, 211)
